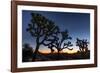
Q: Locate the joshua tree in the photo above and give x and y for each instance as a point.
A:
(43, 30)
(60, 41)
(27, 53)
(83, 44)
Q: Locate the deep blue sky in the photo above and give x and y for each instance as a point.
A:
(78, 24)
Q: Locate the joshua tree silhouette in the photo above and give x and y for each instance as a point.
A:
(59, 41)
(83, 45)
(42, 28)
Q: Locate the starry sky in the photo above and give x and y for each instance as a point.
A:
(78, 25)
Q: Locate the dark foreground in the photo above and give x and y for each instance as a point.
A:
(56, 56)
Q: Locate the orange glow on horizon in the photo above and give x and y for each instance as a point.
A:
(63, 51)
(70, 51)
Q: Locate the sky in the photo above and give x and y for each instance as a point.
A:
(78, 25)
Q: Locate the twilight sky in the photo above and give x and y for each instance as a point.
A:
(78, 25)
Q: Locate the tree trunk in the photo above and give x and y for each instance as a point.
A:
(36, 50)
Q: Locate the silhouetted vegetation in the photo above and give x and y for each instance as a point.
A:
(83, 44)
(27, 53)
(83, 47)
(61, 42)
(41, 27)
(47, 33)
